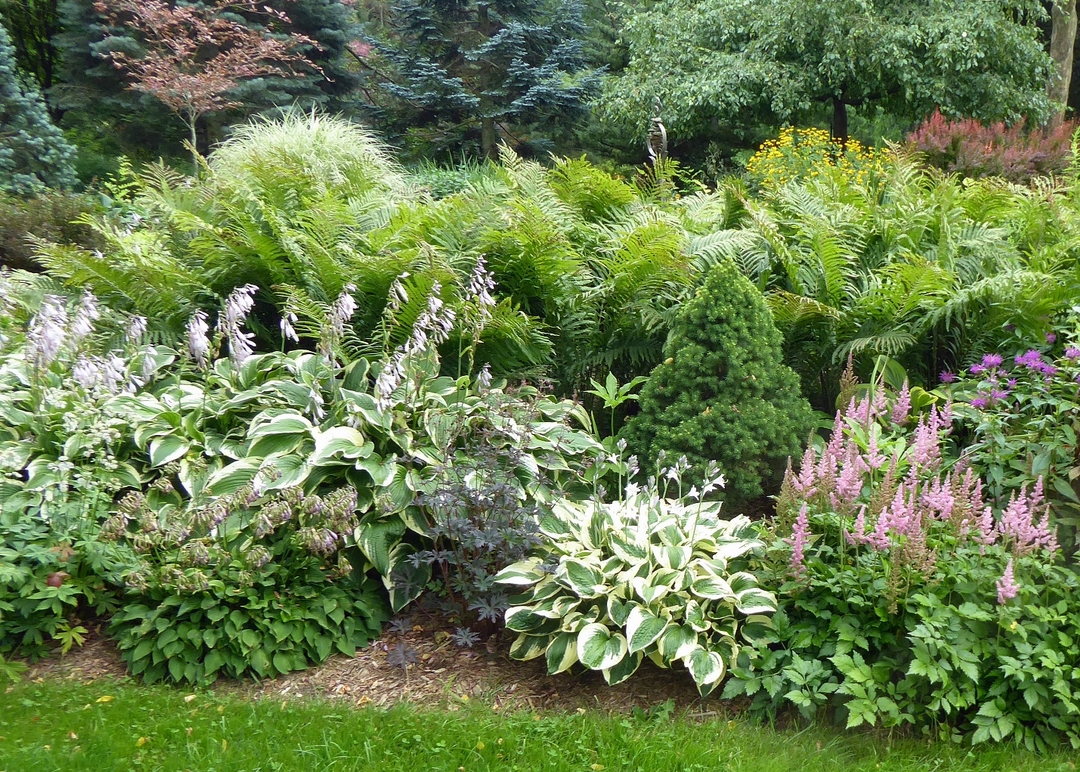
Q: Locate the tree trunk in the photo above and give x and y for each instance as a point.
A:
(489, 139)
(1062, 41)
(839, 119)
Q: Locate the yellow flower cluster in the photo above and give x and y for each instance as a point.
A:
(803, 154)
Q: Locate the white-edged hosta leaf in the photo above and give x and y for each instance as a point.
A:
(643, 628)
(674, 557)
(646, 590)
(271, 444)
(341, 441)
(599, 648)
(522, 573)
(562, 653)
(755, 601)
(695, 616)
(166, 448)
(585, 580)
(626, 668)
(286, 423)
(713, 566)
(712, 588)
(376, 537)
(756, 627)
(706, 667)
(676, 642)
(228, 480)
(526, 647)
(522, 619)
(630, 552)
(619, 609)
(283, 471)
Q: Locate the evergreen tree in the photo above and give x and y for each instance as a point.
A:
(723, 393)
(33, 152)
(446, 71)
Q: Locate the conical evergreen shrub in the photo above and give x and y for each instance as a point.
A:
(33, 152)
(723, 392)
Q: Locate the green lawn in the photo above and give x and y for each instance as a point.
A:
(108, 725)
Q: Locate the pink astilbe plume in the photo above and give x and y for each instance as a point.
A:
(1007, 588)
(800, 535)
(902, 407)
(1018, 527)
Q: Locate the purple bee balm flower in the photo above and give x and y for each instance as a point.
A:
(1072, 352)
(997, 394)
(947, 377)
(1011, 383)
(1032, 359)
(1051, 337)
(991, 360)
(979, 403)
(976, 369)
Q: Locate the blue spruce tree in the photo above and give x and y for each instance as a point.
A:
(33, 152)
(454, 73)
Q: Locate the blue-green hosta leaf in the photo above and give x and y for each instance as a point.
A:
(712, 588)
(676, 642)
(643, 628)
(755, 601)
(626, 668)
(228, 480)
(526, 647)
(340, 441)
(522, 573)
(284, 471)
(285, 423)
(583, 579)
(562, 653)
(706, 667)
(167, 448)
(599, 648)
(376, 537)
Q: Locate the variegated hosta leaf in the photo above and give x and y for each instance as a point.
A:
(599, 648)
(755, 628)
(562, 653)
(522, 573)
(526, 647)
(643, 628)
(649, 592)
(619, 609)
(712, 588)
(674, 557)
(695, 616)
(557, 528)
(626, 668)
(706, 667)
(628, 550)
(755, 601)
(585, 580)
(522, 619)
(676, 642)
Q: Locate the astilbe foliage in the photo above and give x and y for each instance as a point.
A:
(723, 392)
(972, 149)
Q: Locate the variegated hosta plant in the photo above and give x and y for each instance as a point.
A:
(646, 577)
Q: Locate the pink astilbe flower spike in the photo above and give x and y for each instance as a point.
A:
(1007, 588)
(902, 407)
(800, 535)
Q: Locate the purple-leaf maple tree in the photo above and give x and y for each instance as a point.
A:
(196, 55)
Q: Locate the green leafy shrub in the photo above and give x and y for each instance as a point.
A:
(904, 600)
(648, 576)
(723, 393)
(243, 585)
(50, 215)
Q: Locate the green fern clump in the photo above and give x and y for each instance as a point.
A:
(723, 392)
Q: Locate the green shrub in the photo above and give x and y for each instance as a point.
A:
(646, 577)
(723, 393)
(50, 215)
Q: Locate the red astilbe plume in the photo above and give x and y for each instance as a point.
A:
(196, 55)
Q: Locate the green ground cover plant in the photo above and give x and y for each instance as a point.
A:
(63, 725)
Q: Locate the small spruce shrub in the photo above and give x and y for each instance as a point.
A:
(972, 149)
(723, 392)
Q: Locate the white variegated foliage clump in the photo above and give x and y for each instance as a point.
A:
(644, 577)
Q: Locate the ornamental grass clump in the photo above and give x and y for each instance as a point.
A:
(910, 598)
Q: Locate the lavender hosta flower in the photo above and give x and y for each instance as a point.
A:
(390, 378)
(481, 285)
(483, 378)
(135, 330)
(82, 325)
(86, 372)
(198, 338)
(397, 296)
(237, 307)
(342, 310)
(1007, 588)
(800, 535)
(47, 332)
(288, 328)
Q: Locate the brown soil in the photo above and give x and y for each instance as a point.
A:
(443, 675)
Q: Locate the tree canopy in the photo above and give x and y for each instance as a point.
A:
(732, 61)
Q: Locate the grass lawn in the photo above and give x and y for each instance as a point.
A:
(113, 725)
